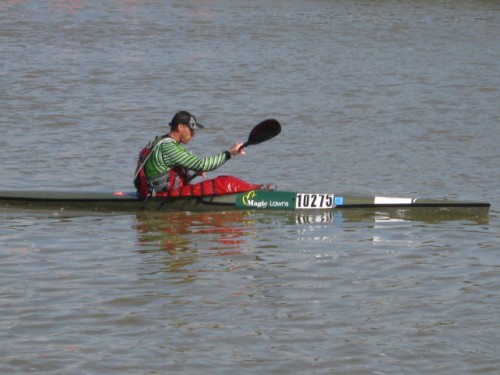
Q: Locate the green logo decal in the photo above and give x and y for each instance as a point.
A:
(263, 199)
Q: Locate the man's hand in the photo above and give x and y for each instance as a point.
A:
(236, 149)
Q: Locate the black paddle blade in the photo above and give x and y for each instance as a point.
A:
(262, 132)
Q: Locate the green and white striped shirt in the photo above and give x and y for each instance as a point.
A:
(170, 154)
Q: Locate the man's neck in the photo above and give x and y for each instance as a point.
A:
(175, 136)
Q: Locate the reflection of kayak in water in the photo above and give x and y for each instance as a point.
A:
(192, 242)
(260, 199)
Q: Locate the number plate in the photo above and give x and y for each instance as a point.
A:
(314, 201)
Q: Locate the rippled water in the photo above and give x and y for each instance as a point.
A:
(386, 97)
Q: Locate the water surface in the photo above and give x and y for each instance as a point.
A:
(382, 97)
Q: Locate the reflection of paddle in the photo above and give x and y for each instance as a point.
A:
(262, 132)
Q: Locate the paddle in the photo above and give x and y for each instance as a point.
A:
(262, 132)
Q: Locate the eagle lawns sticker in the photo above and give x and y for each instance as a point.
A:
(262, 199)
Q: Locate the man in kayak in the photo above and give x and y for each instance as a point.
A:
(167, 165)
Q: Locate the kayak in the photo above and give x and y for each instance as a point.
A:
(261, 199)
(230, 198)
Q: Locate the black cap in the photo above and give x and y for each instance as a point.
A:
(186, 118)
